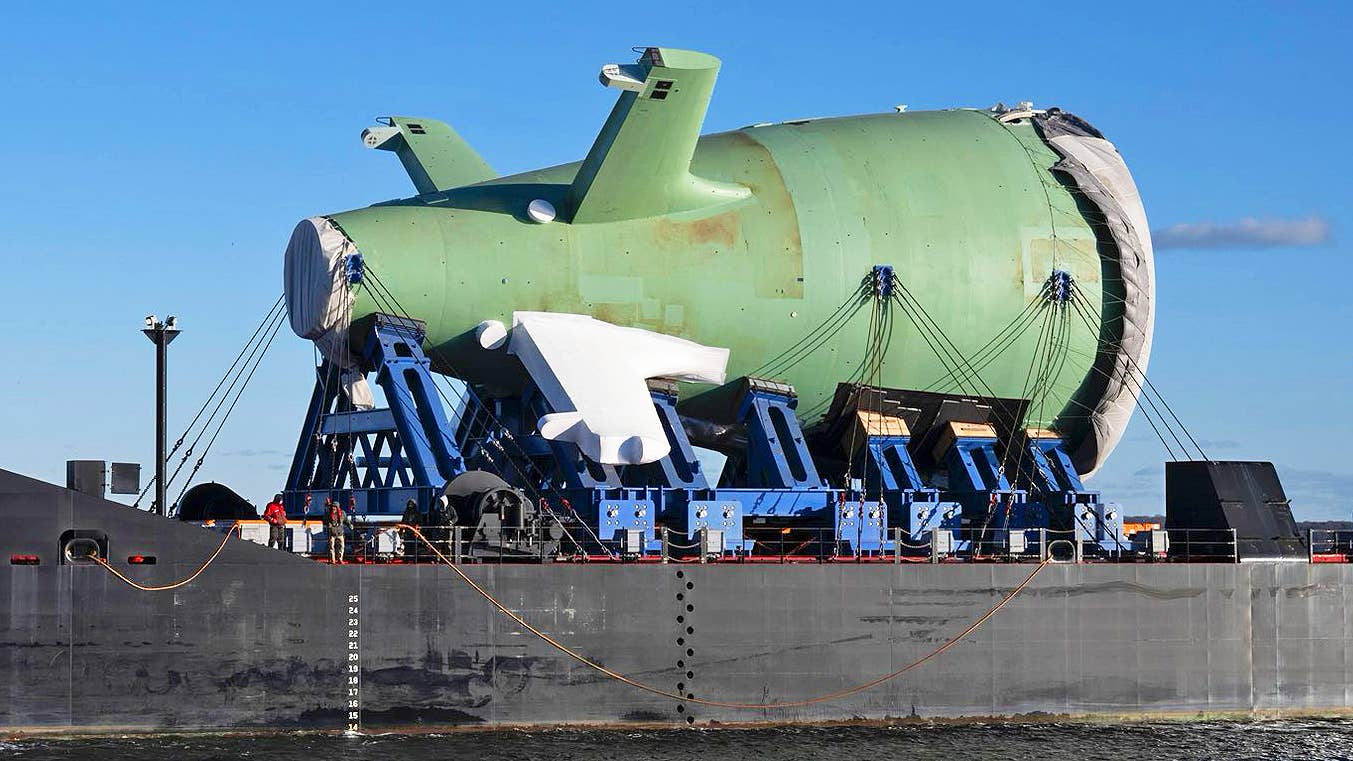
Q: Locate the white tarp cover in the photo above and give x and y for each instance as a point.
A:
(319, 299)
(1100, 173)
(593, 374)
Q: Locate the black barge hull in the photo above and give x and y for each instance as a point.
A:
(265, 639)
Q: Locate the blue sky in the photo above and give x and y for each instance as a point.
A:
(157, 158)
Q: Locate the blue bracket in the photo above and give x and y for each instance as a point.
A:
(1058, 287)
(680, 468)
(978, 482)
(1063, 500)
(910, 504)
(718, 514)
(862, 526)
(881, 278)
(353, 269)
(616, 516)
(777, 454)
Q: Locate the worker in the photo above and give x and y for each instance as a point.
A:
(276, 516)
(335, 521)
(408, 541)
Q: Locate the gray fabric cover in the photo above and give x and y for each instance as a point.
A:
(1110, 391)
(319, 299)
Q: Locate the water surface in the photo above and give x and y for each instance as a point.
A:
(909, 742)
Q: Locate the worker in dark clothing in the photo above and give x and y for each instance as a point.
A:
(276, 516)
(409, 542)
(335, 522)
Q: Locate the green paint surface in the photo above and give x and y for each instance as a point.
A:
(963, 206)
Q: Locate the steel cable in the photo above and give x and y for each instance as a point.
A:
(852, 305)
(1143, 376)
(249, 366)
(221, 425)
(267, 320)
(1142, 393)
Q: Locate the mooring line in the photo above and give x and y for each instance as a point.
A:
(584, 660)
(95, 557)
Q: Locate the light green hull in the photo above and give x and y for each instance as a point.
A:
(963, 206)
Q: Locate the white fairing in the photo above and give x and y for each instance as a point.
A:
(319, 299)
(1110, 417)
(594, 374)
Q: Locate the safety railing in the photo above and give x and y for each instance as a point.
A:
(1329, 546)
(1189, 545)
(388, 544)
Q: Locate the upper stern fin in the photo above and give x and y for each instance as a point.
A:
(434, 155)
(640, 164)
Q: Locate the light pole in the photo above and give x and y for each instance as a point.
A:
(161, 334)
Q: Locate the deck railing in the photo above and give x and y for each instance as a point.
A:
(385, 543)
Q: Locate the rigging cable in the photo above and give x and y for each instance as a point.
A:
(1102, 219)
(1161, 397)
(876, 344)
(811, 341)
(238, 394)
(1134, 373)
(267, 320)
(253, 358)
(999, 343)
(1145, 410)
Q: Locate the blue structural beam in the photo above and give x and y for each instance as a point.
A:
(680, 468)
(404, 374)
(1060, 497)
(575, 470)
(777, 455)
(890, 474)
(977, 480)
(781, 481)
(373, 460)
(613, 501)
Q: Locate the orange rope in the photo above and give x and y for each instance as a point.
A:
(579, 657)
(176, 584)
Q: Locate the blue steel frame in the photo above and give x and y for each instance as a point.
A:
(1058, 488)
(912, 506)
(378, 457)
(409, 450)
(979, 483)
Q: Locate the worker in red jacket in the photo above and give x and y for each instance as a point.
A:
(276, 516)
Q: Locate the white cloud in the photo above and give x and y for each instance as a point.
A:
(1249, 232)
